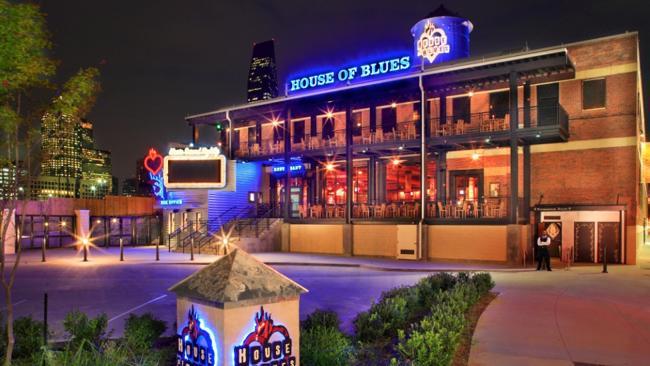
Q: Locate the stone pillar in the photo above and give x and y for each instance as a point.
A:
(218, 323)
(9, 239)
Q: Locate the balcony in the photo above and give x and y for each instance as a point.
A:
(536, 125)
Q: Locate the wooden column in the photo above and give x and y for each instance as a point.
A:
(441, 176)
(527, 158)
(287, 163)
(348, 164)
(195, 134)
(443, 109)
(514, 151)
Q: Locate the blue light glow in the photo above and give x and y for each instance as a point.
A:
(357, 72)
(158, 185)
(441, 39)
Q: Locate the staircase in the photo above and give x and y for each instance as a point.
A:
(249, 229)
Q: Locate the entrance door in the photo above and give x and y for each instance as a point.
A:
(295, 196)
(584, 242)
(609, 236)
(554, 231)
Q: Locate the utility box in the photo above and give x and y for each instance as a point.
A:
(237, 311)
(407, 242)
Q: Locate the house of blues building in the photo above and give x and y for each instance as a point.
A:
(436, 154)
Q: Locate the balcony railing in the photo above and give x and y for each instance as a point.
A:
(453, 125)
(485, 122)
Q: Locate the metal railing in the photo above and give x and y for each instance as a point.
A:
(409, 130)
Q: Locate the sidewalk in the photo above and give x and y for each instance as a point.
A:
(580, 316)
(146, 254)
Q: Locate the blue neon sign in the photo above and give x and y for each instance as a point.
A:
(441, 39)
(350, 74)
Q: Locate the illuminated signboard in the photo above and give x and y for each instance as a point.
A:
(153, 163)
(195, 344)
(350, 74)
(267, 344)
(441, 39)
(195, 168)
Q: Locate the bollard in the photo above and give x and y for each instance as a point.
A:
(121, 249)
(45, 319)
(605, 258)
(43, 247)
(192, 248)
(157, 250)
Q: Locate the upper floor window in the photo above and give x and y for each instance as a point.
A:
(298, 131)
(499, 104)
(356, 123)
(593, 94)
(461, 109)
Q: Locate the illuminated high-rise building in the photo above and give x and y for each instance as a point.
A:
(262, 76)
(71, 166)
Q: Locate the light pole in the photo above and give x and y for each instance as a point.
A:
(85, 242)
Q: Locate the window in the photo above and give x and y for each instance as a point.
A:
(356, 124)
(499, 104)
(328, 128)
(461, 109)
(278, 132)
(298, 131)
(252, 135)
(548, 101)
(593, 94)
(388, 119)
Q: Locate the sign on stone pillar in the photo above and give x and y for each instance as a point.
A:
(9, 239)
(237, 311)
(82, 223)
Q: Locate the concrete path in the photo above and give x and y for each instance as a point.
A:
(580, 316)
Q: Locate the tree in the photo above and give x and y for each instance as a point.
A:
(25, 66)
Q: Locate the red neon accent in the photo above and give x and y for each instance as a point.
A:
(153, 162)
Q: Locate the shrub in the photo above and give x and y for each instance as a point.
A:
(140, 332)
(483, 282)
(324, 346)
(322, 318)
(433, 340)
(382, 320)
(85, 331)
(28, 334)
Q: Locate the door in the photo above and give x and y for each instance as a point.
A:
(295, 196)
(554, 231)
(609, 236)
(584, 242)
(548, 99)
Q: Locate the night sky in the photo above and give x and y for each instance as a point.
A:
(166, 59)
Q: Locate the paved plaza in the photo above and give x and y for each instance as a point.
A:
(539, 318)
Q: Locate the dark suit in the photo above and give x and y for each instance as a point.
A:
(542, 253)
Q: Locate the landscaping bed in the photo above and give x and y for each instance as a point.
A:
(429, 323)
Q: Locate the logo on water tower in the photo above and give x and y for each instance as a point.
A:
(432, 42)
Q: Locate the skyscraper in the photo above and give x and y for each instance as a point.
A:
(262, 76)
(71, 166)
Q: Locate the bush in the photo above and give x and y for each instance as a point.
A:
(382, 320)
(111, 354)
(28, 334)
(324, 346)
(433, 341)
(483, 282)
(85, 331)
(322, 318)
(141, 332)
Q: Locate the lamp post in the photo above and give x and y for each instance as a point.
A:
(85, 242)
(121, 249)
(45, 239)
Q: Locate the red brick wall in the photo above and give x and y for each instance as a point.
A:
(592, 176)
(615, 51)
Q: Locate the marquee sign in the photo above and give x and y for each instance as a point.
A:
(195, 343)
(195, 168)
(153, 163)
(432, 42)
(350, 74)
(267, 345)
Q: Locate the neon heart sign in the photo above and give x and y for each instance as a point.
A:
(153, 162)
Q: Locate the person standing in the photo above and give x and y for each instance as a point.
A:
(543, 242)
